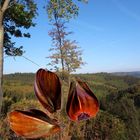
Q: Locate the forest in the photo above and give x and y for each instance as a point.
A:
(117, 119)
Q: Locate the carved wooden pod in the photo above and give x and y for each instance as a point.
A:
(32, 124)
(47, 88)
(82, 104)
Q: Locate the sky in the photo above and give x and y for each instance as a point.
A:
(108, 32)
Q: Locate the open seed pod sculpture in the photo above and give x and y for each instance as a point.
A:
(32, 124)
(35, 123)
(82, 104)
(47, 88)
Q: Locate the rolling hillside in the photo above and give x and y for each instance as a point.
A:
(119, 98)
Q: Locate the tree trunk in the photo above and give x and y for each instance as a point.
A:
(3, 8)
(60, 44)
(1, 58)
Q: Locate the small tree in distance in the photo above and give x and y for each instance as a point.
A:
(65, 52)
(68, 55)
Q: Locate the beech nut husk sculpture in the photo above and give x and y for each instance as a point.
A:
(47, 88)
(32, 124)
(82, 104)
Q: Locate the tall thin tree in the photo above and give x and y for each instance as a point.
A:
(64, 51)
(59, 13)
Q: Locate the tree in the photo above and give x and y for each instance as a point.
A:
(68, 53)
(58, 34)
(60, 12)
(14, 16)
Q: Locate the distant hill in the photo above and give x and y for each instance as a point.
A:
(134, 74)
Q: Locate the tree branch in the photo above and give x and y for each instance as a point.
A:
(12, 4)
(5, 5)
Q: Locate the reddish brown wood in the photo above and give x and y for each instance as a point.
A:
(82, 103)
(47, 88)
(32, 124)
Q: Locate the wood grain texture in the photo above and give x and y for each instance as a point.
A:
(82, 103)
(28, 124)
(47, 88)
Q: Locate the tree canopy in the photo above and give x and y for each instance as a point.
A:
(18, 15)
